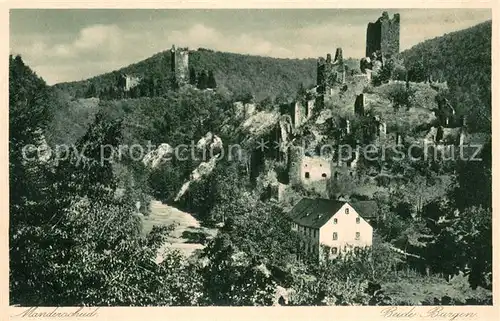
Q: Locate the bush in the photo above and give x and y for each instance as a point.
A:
(402, 96)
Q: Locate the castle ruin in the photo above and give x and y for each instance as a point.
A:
(383, 36)
(330, 73)
(180, 65)
(299, 111)
(127, 82)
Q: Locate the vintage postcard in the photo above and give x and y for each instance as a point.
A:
(298, 157)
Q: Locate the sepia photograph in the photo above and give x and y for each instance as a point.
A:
(249, 157)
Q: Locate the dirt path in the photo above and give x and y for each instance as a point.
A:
(187, 234)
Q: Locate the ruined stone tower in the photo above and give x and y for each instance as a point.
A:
(359, 105)
(383, 36)
(330, 72)
(180, 65)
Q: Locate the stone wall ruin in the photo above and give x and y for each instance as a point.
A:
(383, 36)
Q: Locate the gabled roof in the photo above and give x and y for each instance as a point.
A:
(315, 213)
(367, 209)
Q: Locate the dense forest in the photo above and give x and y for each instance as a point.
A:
(240, 74)
(463, 60)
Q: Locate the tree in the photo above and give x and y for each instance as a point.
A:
(252, 253)
(91, 91)
(404, 210)
(474, 233)
(202, 80)
(417, 72)
(464, 243)
(192, 76)
(350, 279)
(72, 242)
(391, 227)
(211, 83)
(402, 96)
(474, 181)
(383, 75)
(232, 277)
(301, 92)
(29, 113)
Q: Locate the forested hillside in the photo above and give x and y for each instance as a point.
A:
(463, 59)
(69, 234)
(240, 74)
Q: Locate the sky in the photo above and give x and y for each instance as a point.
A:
(74, 44)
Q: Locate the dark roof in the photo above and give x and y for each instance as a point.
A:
(316, 212)
(367, 209)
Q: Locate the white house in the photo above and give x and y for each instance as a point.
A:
(333, 225)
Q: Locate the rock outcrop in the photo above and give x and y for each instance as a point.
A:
(201, 171)
(211, 142)
(214, 144)
(244, 110)
(158, 156)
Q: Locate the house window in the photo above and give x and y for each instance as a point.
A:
(335, 236)
(357, 235)
(358, 220)
(307, 175)
(323, 175)
(334, 250)
(335, 221)
(347, 210)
